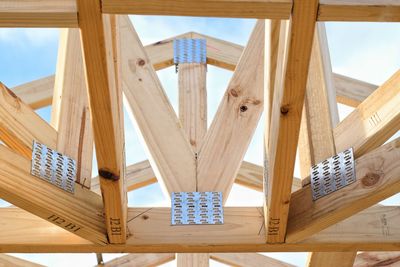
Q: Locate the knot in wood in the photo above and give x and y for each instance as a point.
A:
(284, 110)
(243, 108)
(370, 179)
(145, 217)
(234, 93)
(108, 175)
(141, 62)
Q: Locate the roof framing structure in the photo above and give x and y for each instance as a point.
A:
(283, 69)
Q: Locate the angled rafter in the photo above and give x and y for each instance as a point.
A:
(242, 231)
(230, 133)
(44, 13)
(247, 260)
(99, 42)
(331, 259)
(275, 9)
(377, 178)
(285, 118)
(19, 125)
(350, 91)
(141, 260)
(192, 259)
(70, 111)
(169, 151)
(36, 94)
(359, 10)
(366, 259)
(7, 260)
(373, 122)
(17, 186)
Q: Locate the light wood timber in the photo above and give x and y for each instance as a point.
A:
(19, 187)
(42, 13)
(373, 122)
(247, 260)
(366, 259)
(193, 101)
(352, 92)
(229, 135)
(285, 118)
(38, 93)
(20, 125)
(359, 10)
(262, 9)
(170, 154)
(379, 232)
(377, 178)
(70, 109)
(192, 259)
(331, 259)
(140, 260)
(11, 261)
(99, 36)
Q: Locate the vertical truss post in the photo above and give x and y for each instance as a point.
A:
(99, 42)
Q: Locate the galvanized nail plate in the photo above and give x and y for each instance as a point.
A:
(190, 51)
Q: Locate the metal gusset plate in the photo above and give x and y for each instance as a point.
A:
(196, 208)
(53, 167)
(333, 174)
(190, 51)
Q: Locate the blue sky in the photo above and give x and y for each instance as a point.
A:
(366, 51)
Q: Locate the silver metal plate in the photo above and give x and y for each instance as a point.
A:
(196, 208)
(53, 167)
(190, 51)
(333, 174)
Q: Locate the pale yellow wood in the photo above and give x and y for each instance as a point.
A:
(243, 231)
(274, 9)
(140, 260)
(331, 259)
(229, 135)
(193, 101)
(20, 125)
(36, 94)
(285, 118)
(169, 151)
(11, 261)
(373, 122)
(17, 186)
(99, 37)
(352, 92)
(359, 10)
(377, 178)
(367, 259)
(70, 110)
(192, 260)
(38, 13)
(247, 260)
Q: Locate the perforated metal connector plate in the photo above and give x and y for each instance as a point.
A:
(196, 208)
(53, 167)
(333, 174)
(190, 51)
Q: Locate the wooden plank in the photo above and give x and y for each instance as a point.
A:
(242, 232)
(141, 260)
(17, 186)
(193, 101)
(19, 125)
(373, 122)
(352, 92)
(169, 151)
(36, 94)
(285, 118)
(332, 259)
(262, 9)
(236, 119)
(43, 13)
(359, 10)
(70, 109)
(11, 261)
(377, 178)
(247, 260)
(99, 42)
(193, 260)
(366, 259)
